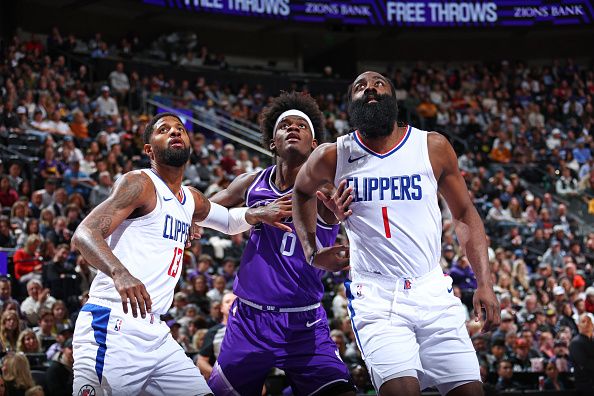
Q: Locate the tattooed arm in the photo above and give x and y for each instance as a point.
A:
(133, 196)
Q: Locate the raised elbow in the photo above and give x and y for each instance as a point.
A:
(77, 237)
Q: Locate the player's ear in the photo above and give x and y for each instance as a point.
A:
(314, 144)
(272, 146)
(148, 150)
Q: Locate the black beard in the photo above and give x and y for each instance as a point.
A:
(374, 119)
(172, 157)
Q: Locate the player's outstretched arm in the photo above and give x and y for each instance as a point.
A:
(132, 193)
(319, 169)
(236, 220)
(469, 228)
(271, 214)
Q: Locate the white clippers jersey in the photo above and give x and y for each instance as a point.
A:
(151, 247)
(395, 228)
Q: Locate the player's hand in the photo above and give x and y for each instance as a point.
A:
(333, 259)
(339, 201)
(273, 213)
(484, 298)
(131, 289)
(195, 233)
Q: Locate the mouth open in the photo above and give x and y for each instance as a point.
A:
(293, 137)
(177, 143)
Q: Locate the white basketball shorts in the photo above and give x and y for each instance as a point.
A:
(117, 354)
(403, 325)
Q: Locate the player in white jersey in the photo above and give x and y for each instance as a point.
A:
(136, 239)
(409, 326)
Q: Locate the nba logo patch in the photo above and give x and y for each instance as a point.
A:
(118, 324)
(407, 284)
(359, 291)
(152, 318)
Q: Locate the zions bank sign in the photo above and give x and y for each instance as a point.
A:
(429, 13)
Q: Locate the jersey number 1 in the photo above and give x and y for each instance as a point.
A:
(386, 222)
(175, 262)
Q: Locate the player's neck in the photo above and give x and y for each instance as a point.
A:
(383, 144)
(171, 175)
(285, 174)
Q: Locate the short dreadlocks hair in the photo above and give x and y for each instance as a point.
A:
(288, 101)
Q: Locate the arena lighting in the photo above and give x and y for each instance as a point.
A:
(419, 13)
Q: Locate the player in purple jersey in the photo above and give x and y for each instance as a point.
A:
(277, 319)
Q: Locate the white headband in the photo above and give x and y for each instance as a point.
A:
(294, 112)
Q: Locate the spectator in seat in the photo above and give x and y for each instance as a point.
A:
(6, 295)
(76, 180)
(180, 300)
(501, 153)
(27, 264)
(28, 342)
(216, 293)
(566, 185)
(59, 275)
(46, 330)
(521, 356)
(17, 374)
(8, 195)
(31, 228)
(79, 125)
(561, 358)
(59, 233)
(102, 190)
(38, 300)
(14, 175)
(214, 338)
(229, 161)
(10, 327)
(59, 373)
(198, 294)
(581, 351)
(462, 274)
(577, 281)
(86, 273)
(106, 105)
(119, 81)
(7, 237)
(57, 126)
(62, 319)
(49, 166)
(505, 374)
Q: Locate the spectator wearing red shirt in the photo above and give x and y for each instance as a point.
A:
(228, 162)
(8, 195)
(589, 303)
(27, 264)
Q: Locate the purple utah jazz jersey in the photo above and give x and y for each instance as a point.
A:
(273, 269)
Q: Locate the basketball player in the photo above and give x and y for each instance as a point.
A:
(136, 240)
(409, 326)
(277, 319)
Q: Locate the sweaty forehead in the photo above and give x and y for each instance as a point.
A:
(167, 120)
(369, 75)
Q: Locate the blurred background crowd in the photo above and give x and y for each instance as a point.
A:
(523, 132)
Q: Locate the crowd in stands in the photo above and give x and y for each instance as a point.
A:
(509, 120)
